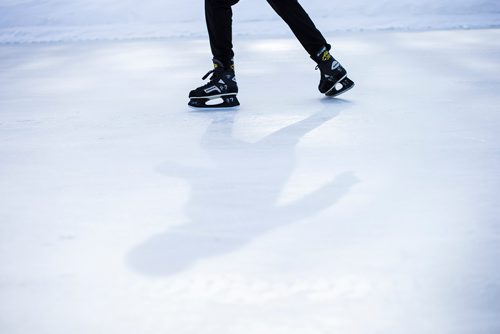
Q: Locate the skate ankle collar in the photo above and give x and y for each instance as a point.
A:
(320, 52)
(217, 63)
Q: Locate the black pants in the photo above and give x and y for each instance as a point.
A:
(219, 16)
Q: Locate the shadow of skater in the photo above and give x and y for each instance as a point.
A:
(234, 201)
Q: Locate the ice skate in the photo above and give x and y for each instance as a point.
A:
(220, 91)
(334, 80)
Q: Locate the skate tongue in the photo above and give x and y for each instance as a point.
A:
(217, 64)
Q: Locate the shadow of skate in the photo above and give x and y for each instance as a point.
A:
(235, 201)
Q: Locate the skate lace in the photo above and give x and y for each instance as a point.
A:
(208, 73)
(216, 75)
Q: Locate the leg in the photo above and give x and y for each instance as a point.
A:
(332, 73)
(301, 25)
(219, 17)
(222, 84)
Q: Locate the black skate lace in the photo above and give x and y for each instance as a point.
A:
(215, 77)
(206, 75)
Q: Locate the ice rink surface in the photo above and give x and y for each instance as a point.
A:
(122, 211)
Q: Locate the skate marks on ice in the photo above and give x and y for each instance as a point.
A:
(234, 201)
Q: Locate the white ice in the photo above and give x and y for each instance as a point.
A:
(122, 211)
(75, 20)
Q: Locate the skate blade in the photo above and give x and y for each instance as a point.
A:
(340, 87)
(229, 102)
(213, 109)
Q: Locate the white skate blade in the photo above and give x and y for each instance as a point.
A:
(340, 87)
(213, 109)
(333, 87)
(225, 102)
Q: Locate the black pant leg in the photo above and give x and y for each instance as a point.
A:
(219, 17)
(301, 24)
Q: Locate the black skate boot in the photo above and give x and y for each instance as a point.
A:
(221, 86)
(334, 80)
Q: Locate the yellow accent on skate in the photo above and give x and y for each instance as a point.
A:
(326, 56)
